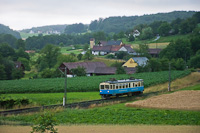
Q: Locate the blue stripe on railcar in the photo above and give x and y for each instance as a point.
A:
(121, 91)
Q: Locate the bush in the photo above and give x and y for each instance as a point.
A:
(9, 102)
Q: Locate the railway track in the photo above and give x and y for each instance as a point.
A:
(84, 104)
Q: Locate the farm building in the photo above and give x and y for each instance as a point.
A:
(91, 68)
(154, 52)
(19, 65)
(111, 49)
(135, 61)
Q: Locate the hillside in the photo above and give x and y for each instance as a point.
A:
(117, 24)
(6, 30)
(51, 29)
(111, 24)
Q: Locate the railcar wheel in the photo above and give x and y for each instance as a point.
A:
(129, 94)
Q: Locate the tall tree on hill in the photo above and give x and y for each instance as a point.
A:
(49, 56)
(164, 29)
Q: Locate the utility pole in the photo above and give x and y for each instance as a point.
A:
(65, 94)
(169, 89)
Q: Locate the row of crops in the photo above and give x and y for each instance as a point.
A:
(81, 84)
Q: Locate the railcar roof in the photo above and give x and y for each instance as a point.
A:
(123, 81)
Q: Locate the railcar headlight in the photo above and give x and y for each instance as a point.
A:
(108, 91)
(100, 91)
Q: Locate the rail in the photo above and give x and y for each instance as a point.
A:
(84, 104)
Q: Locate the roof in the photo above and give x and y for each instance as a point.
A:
(140, 60)
(105, 70)
(102, 48)
(154, 51)
(124, 81)
(129, 49)
(89, 66)
(115, 48)
(114, 42)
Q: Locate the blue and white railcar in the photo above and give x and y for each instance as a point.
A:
(121, 87)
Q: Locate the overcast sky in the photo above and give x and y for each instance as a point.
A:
(22, 14)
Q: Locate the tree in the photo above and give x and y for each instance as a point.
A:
(195, 61)
(79, 71)
(65, 58)
(86, 46)
(121, 54)
(6, 50)
(45, 122)
(49, 55)
(155, 65)
(147, 33)
(195, 44)
(80, 56)
(20, 44)
(3, 75)
(120, 70)
(25, 62)
(143, 50)
(21, 53)
(164, 29)
(88, 55)
(131, 38)
(178, 49)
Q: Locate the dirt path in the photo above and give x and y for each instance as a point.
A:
(108, 129)
(183, 100)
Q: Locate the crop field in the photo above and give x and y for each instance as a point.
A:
(153, 45)
(116, 114)
(80, 84)
(108, 62)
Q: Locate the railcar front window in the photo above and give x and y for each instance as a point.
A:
(110, 86)
(139, 84)
(106, 86)
(102, 87)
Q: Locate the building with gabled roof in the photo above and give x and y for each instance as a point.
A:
(135, 61)
(97, 68)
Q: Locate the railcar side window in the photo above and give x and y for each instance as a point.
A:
(123, 85)
(106, 86)
(117, 86)
(126, 85)
(113, 86)
(138, 83)
(129, 84)
(102, 86)
(133, 84)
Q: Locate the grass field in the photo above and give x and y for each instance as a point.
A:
(68, 50)
(56, 98)
(81, 84)
(26, 35)
(117, 114)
